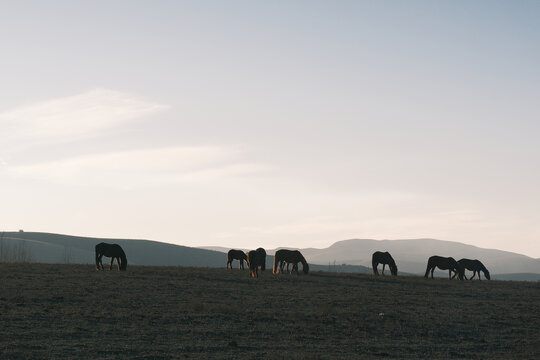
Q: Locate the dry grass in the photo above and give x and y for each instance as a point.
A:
(75, 312)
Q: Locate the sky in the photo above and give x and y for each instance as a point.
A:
(272, 123)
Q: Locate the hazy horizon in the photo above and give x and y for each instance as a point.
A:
(253, 123)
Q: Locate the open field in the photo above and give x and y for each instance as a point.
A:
(75, 312)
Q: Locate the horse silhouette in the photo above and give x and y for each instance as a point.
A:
(383, 258)
(113, 251)
(236, 255)
(256, 259)
(445, 263)
(475, 266)
(290, 257)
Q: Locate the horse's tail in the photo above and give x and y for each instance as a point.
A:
(123, 260)
(262, 254)
(460, 270)
(276, 263)
(428, 267)
(374, 264)
(98, 246)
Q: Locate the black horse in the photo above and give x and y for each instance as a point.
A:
(445, 263)
(114, 251)
(383, 258)
(475, 266)
(236, 255)
(256, 259)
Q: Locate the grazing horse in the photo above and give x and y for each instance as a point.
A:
(290, 257)
(236, 255)
(445, 263)
(383, 258)
(475, 266)
(114, 251)
(256, 259)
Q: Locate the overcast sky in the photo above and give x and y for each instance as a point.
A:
(272, 123)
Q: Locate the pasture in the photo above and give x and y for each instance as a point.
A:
(76, 312)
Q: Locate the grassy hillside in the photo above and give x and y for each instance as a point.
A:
(55, 248)
(75, 312)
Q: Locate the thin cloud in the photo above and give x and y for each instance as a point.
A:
(76, 116)
(140, 168)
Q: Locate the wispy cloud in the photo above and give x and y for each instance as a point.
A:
(76, 116)
(139, 168)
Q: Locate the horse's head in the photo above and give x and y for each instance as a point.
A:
(305, 268)
(393, 269)
(486, 274)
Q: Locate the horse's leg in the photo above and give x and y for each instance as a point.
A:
(110, 267)
(432, 270)
(118, 263)
(383, 266)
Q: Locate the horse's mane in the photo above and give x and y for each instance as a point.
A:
(305, 266)
(123, 259)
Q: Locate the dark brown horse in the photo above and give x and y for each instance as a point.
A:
(236, 255)
(114, 251)
(256, 259)
(444, 263)
(383, 258)
(475, 266)
(290, 257)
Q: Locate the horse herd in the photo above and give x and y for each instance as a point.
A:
(455, 268)
(256, 259)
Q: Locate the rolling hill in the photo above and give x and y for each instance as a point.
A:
(343, 256)
(55, 248)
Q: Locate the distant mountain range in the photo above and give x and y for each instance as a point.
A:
(343, 256)
(411, 255)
